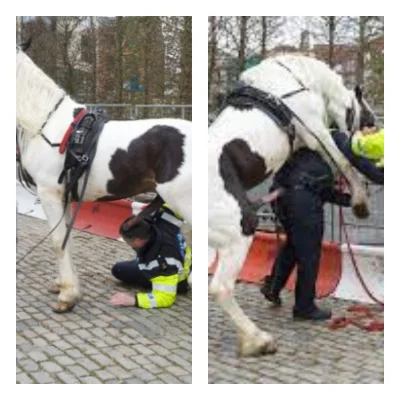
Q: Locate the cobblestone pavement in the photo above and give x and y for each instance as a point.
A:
(96, 342)
(307, 352)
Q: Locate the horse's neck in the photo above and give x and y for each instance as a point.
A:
(326, 82)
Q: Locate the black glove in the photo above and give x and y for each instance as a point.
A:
(337, 197)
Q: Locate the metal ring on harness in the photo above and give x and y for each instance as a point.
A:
(83, 158)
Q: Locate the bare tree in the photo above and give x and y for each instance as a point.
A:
(331, 30)
(186, 62)
(242, 42)
(114, 59)
(368, 28)
(212, 49)
(20, 22)
(119, 36)
(270, 28)
(95, 47)
(331, 22)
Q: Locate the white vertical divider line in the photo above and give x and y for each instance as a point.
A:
(200, 200)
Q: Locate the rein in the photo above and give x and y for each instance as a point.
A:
(293, 92)
(49, 115)
(67, 134)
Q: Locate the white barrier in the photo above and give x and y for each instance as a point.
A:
(370, 263)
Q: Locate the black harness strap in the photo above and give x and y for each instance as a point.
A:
(81, 150)
(246, 97)
(285, 96)
(291, 72)
(292, 93)
(48, 141)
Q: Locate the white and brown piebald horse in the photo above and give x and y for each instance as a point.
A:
(132, 157)
(246, 145)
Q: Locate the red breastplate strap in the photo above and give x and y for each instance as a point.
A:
(67, 134)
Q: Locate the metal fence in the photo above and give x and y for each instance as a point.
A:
(142, 111)
(163, 111)
(115, 111)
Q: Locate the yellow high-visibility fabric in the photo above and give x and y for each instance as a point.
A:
(163, 293)
(369, 146)
(186, 265)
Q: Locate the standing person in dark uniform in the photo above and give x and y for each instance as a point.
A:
(305, 183)
(163, 261)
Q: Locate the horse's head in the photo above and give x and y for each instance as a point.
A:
(352, 114)
(366, 116)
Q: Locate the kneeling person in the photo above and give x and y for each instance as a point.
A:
(163, 260)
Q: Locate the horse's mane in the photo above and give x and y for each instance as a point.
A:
(37, 94)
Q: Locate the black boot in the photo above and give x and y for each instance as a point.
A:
(269, 294)
(317, 314)
(183, 287)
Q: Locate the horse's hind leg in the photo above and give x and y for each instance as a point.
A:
(68, 283)
(251, 340)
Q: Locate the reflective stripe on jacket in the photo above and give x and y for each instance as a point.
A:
(163, 292)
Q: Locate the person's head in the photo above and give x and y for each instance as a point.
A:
(368, 130)
(135, 233)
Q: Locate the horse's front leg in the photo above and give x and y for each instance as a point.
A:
(67, 284)
(251, 340)
(359, 200)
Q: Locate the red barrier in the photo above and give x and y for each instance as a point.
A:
(102, 218)
(262, 254)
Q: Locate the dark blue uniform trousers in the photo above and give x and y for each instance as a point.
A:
(302, 216)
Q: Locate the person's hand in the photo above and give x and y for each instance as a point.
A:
(269, 198)
(123, 299)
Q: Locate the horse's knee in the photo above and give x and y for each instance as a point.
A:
(220, 292)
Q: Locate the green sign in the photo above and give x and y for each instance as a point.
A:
(252, 61)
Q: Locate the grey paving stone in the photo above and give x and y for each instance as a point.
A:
(95, 343)
(307, 352)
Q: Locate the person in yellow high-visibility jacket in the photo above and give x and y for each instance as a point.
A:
(365, 151)
(163, 261)
(369, 143)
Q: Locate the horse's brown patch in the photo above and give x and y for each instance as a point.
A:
(242, 169)
(152, 158)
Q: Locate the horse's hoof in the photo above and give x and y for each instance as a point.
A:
(62, 307)
(361, 211)
(54, 288)
(257, 346)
